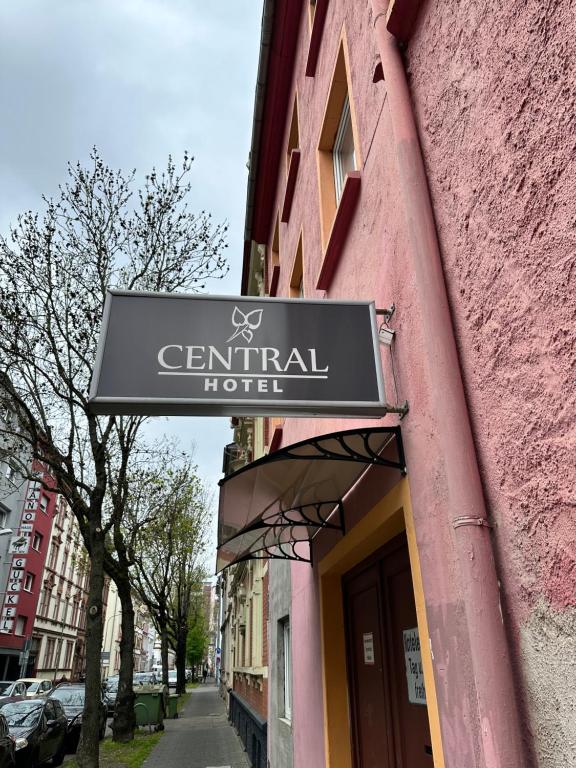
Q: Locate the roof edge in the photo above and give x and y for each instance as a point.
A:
(280, 26)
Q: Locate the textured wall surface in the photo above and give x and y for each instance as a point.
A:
(498, 127)
(495, 96)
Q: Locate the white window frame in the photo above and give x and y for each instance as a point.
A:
(343, 126)
(37, 539)
(29, 582)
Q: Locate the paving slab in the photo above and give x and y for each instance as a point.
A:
(201, 737)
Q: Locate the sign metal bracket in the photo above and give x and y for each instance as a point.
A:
(386, 336)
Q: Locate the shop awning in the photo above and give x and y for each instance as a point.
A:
(273, 507)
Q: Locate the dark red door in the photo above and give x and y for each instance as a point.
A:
(389, 719)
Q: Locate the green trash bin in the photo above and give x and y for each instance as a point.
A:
(149, 708)
(173, 706)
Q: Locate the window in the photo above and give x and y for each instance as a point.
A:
(45, 602)
(68, 657)
(58, 653)
(4, 512)
(311, 11)
(37, 542)
(64, 563)
(293, 135)
(343, 154)
(285, 662)
(20, 625)
(61, 513)
(54, 551)
(44, 504)
(338, 148)
(274, 263)
(29, 582)
(297, 277)
(74, 617)
(56, 606)
(49, 653)
(10, 472)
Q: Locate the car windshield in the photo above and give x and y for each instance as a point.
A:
(31, 685)
(4, 686)
(22, 714)
(111, 685)
(73, 697)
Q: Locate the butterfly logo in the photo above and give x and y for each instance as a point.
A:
(245, 324)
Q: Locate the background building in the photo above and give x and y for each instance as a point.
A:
(60, 624)
(27, 509)
(144, 635)
(243, 589)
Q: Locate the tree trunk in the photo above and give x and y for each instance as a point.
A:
(124, 721)
(164, 648)
(181, 659)
(88, 748)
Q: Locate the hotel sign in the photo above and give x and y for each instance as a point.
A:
(176, 354)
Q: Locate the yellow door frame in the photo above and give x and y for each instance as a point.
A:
(388, 518)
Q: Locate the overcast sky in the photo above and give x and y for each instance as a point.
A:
(139, 79)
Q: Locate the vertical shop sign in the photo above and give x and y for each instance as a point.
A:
(414, 669)
(19, 546)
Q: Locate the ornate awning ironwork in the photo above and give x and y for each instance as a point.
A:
(273, 507)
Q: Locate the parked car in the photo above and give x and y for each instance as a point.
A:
(71, 697)
(7, 748)
(12, 688)
(109, 692)
(36, 686)
(144, 678)
(38, 727)
(172, 678)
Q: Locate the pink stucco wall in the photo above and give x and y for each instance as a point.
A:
(495, 104)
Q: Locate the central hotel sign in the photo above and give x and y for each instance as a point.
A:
(177, 354)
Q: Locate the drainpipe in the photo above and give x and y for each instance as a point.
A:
(500, 735)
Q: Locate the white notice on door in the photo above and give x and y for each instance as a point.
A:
(368, 640)
(414, 671)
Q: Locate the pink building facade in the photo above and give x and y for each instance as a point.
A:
(25, 562)
(456, 155)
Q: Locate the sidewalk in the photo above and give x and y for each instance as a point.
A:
(200, 738)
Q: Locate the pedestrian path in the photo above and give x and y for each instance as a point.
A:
(201, 737)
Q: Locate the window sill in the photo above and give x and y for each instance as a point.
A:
(286, 722)
(290, 185)
(316, 36)
(340, 229)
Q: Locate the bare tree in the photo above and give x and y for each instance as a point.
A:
(54, 273)
(169, 555)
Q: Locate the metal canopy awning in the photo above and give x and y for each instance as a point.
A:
(273, 507)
